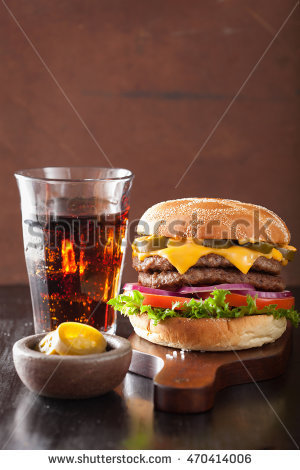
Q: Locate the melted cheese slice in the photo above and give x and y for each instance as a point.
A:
(184, 256)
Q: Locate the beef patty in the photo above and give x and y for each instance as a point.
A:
(158, 263)
(172, 280)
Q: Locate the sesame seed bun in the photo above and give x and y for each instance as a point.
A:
(209, 218)
(207, 334)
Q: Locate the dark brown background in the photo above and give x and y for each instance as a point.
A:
(151, 79)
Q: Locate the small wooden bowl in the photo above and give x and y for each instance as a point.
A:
(71, 376)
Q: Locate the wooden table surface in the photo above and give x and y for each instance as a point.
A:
(263, 416)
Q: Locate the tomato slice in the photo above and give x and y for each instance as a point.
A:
(237, 300)
(234, 300)
(162, 301)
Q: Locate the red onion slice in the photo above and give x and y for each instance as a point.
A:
(149, 290)
(231, 287)
(271, 295)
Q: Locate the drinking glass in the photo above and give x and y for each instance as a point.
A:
(74, 229)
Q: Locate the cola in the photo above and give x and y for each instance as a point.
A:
(74, 265)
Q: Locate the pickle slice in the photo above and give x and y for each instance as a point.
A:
(147, 244)
(287, 254)
(266, 248)
(262, 247)
(214, 243)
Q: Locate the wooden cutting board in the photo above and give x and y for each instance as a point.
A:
(187, 382)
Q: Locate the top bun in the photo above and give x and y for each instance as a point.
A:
(209, 218)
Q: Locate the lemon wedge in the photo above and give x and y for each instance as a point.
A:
(74, 339)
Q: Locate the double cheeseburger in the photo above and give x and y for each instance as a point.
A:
(209, 276)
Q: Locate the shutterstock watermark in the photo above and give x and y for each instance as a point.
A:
(88, 232)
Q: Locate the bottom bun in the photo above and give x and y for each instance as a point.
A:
(210, 334)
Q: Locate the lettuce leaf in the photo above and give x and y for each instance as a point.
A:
(215, 306)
